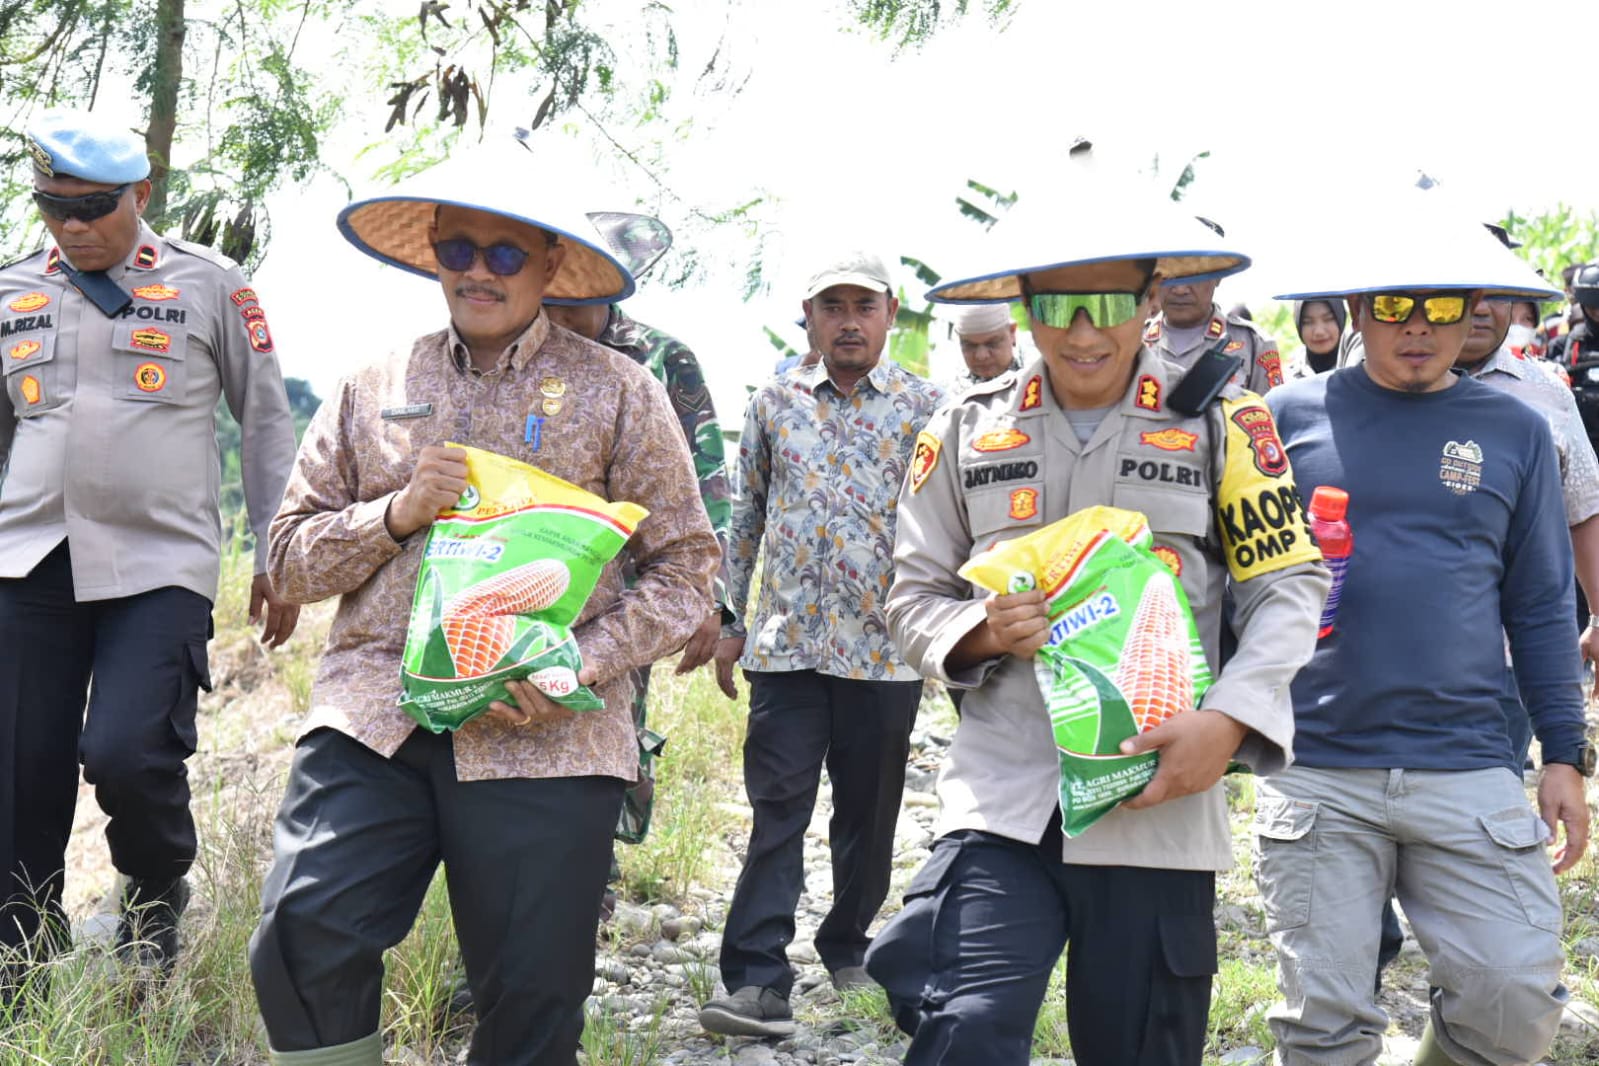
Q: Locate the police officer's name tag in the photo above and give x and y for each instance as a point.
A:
(410, 410)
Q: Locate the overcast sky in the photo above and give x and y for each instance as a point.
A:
(1301, 106)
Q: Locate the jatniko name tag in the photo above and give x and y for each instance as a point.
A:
(410, 410)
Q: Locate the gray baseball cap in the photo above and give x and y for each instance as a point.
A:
(851, 268)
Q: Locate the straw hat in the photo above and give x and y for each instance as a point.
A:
(1414, 243)
(1090, 217)
(503, 179)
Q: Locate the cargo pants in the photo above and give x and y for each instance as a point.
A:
(1463, 851)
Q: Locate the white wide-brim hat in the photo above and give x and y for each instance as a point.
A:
(1089, 216)
(502, 179)
(1413, 242)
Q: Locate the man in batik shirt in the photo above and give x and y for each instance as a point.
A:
(824, 451)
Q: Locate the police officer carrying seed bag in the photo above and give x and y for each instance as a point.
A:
(1097, 419)
(116, 343)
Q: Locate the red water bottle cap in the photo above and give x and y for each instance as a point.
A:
(1328, 503)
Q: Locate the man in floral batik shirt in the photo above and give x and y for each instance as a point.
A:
(824, 452)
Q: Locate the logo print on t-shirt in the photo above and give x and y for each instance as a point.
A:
(1461, 468)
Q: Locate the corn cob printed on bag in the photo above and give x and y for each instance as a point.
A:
(1123, 653)
(504, 574)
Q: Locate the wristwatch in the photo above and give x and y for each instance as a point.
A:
(1593, 621)
(1584, 760)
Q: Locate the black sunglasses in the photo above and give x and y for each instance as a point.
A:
(88, 208)
(458, 253)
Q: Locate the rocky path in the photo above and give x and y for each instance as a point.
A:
(659, 964)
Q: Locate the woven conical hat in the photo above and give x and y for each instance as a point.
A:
(1089, 216)
(503, 179)
(1412, 243)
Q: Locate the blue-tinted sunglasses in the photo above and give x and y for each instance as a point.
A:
(457, 254)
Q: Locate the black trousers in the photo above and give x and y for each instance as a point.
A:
(356, 844)
(798, 722)
(967, 962)
(146, 655)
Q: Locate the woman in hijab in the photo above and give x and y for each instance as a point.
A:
(1321, 328)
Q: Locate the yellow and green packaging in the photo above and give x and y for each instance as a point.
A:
(1123, 654)
(504, 574)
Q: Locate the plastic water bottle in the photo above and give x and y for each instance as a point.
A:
(1327, 508)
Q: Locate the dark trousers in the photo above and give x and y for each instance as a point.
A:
(798, 722)
(356, 844)
(147, 658)
(967, 962)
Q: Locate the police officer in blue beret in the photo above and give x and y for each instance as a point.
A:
(116, 343)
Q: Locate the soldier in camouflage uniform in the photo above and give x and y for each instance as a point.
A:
(674, 365)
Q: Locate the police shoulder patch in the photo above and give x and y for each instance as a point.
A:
(924, 460)
(1272, 364)
(260, 335)
(1262, 522)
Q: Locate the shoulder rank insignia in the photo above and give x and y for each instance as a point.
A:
(925, 459)
(1217, 327)
(1147, 397)
(52, 262)
(1152, 331)
(145, 257)
(1032, 393)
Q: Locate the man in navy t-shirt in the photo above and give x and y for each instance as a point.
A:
(1405, 777)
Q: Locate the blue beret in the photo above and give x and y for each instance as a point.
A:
(78, 144)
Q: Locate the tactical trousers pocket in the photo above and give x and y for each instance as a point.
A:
(1517, 836)
(1285, 859)
(196, 676)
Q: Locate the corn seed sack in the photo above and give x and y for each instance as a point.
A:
(1123, 653)
(504, 574)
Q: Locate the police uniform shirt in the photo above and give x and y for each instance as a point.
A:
(107, 425)
(1217, 492)
(1261, 370)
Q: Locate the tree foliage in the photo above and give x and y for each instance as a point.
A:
(238, 97)
(912, 22)
(227, 111)
(1553, 240)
